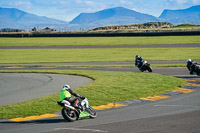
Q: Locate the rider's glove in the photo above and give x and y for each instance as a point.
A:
(82, 97)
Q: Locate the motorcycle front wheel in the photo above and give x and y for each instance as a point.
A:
(69, 115)
(92, 112)
(150, 69)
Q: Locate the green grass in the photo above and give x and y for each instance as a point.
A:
(56, 41)
(107, 87)
(95, 55)
(186, 26)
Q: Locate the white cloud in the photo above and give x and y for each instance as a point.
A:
(196, 2)
(89, 2)
(89, 6)
(135, 9)
(181, 1)
(21, 4)
(189, 2)
(122, 1)
(125, 2)
(79, 1)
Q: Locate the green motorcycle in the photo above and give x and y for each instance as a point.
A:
(72, 113)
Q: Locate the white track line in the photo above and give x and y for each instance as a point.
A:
(81, 129)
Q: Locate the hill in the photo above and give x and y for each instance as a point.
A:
(189, 15)
(14, 18)
(135, 27)
(113, 16)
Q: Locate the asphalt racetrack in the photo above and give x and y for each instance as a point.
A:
(178, 114)
(19, 87)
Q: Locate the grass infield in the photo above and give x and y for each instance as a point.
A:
(95, 55)
(61, 41)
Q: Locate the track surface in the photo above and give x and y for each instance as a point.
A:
(178, 114)
(19, 87)
(104, 46)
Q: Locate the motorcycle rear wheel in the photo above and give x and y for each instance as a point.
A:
(141, 69)
(69, 115)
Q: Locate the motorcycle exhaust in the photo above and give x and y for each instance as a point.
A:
(68, 106)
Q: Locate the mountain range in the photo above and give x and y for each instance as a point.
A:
(113, 16)
(15, 18)
(189, 15)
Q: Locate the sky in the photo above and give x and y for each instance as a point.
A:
(67, 10)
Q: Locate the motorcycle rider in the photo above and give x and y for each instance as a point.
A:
(191, 65)
(138, 61)
(66, 94)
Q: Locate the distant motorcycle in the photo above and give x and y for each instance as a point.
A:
(195, 70)
(193, 67)
(145, 66)
(72, 113)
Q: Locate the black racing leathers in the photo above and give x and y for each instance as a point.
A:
(191, 66)
(139, 61)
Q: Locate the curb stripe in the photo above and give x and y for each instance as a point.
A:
(14, 67)
(191, 84)
(108, 106)
(155, 98)
(191, 80)
(34, 117)
(183, 90)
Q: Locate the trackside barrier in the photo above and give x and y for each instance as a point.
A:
(60, 34)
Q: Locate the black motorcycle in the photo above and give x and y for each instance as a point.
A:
(145, 66)
(194, 69)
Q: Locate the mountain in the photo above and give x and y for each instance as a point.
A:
(189, 15)
(123, 16)
(14, 18)
(17, 19)
(113, 16)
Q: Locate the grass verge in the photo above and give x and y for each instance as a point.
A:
(107, 87)
(59, 41)
(95, 55)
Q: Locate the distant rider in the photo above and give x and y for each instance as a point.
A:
(191, 65)
(138, 61)
(66, 94)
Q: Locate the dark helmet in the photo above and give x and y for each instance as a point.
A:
(137, 56)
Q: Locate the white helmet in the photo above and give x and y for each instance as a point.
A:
(66, 86)
(189, 60)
